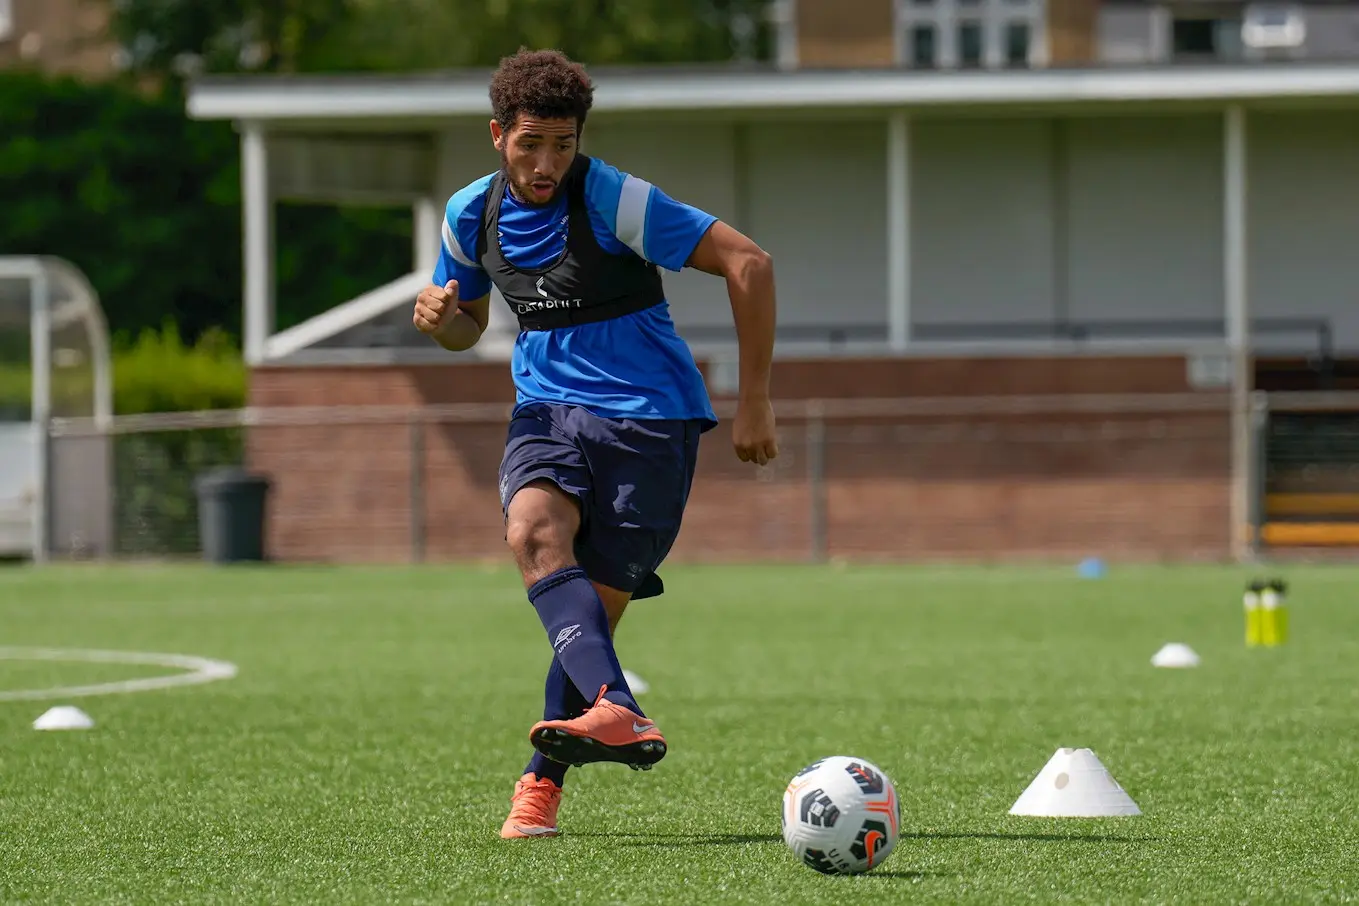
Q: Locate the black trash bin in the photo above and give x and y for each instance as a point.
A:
(231, 515)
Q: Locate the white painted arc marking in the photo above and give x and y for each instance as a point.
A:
(200, 670)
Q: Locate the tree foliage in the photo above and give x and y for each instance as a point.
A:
(148, 204)
(434, 34)
(391, 35)
(185, 36)
(144, 201)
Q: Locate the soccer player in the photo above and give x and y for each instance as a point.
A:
(604, 435)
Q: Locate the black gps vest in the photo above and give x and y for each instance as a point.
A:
(584, 284)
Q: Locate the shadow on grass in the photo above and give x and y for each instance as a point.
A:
(663, 839)
(659, 838)
(880, 874)
(1023, 838)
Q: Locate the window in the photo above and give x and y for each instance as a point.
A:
(970, 44)
(1193, 37)
(1271, 27)
(969, 34)
(922, 46)
(6, 19)
(1017, 44)
(1206, 39)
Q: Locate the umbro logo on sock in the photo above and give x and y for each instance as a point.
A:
(566, 637)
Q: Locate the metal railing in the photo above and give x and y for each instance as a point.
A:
(1305, 464)
(1123, 475)
(1321, 349)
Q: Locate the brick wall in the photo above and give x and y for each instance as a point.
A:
(1072, 26)
(845, 34)
(1145, 484)
(60, 36)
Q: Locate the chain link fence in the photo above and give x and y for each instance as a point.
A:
(1137, 476)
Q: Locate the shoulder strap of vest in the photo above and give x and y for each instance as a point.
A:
(580, 230)
(576, 178)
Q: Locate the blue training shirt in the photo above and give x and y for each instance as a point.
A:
(634, 366)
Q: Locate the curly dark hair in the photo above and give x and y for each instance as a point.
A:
(541, 83)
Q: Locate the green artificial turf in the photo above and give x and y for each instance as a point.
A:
(366, 751)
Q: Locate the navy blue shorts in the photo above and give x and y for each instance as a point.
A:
(631, 478)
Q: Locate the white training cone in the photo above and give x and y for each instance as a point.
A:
(1073, 784)
(635, 682)
(64, 717)
(1175, 654)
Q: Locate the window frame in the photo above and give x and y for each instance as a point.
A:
(947, 18)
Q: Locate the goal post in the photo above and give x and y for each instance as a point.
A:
(54, 364)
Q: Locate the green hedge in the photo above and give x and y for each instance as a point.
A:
(15, 392)
(156, 373)
(159, 373)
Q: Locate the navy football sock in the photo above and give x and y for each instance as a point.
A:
(578, 629)
(561, 701)
(545, 768)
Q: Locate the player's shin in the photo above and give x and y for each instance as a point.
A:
(578, 629)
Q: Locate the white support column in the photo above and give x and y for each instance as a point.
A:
(1237, 314)
(899, 230)
(1039, 51)
(41, 354)
(258, 211)
(783, 16)
(428, 235)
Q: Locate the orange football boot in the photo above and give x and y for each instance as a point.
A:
(606, 732)
(533, 809)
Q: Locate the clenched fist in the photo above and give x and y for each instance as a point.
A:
(435, 307)
(752, 433)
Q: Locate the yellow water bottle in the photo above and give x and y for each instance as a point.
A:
(1274, 594)
(1253, 613)
(1269, 615)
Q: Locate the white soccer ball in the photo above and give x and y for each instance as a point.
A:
(841, 815)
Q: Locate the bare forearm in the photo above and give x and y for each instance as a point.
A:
(753, 308)
(459, 333)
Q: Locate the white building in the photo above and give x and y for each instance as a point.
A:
(907, 212)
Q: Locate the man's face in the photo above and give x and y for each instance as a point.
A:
(536, 153)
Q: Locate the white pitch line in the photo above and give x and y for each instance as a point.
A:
(200, 670)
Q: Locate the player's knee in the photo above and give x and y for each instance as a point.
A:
(529, 536)
(540, 541)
